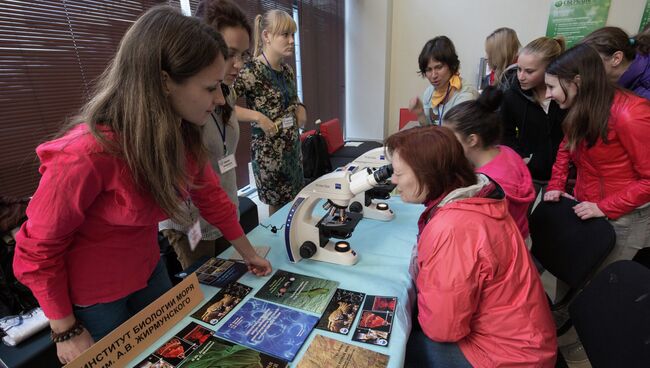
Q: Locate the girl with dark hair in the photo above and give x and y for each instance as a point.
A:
(626, 59)
(480, 302)
(439, 64)
(89, 250)
(220, 132)
(478, 128)
(606, 138)
(532, 123)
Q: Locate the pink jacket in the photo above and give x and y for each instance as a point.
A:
(512, 174)
(91, 236)
(477, 286)
(615, 175)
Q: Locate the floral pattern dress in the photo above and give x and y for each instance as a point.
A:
(276, 159)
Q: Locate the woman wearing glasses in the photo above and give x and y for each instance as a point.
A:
(269, 86)
(221, 131)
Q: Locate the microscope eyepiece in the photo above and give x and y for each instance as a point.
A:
(383, 173)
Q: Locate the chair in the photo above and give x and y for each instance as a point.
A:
(612, 316)
(343, 152)
(405, 117)
(571, 249)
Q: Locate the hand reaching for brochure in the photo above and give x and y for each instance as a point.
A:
(259, 266)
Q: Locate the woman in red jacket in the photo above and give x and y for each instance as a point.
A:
(480, 301)
(89, 249)
(606, 137)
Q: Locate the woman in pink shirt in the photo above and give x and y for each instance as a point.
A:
(478, 128)
(89, 250)
(480, 302)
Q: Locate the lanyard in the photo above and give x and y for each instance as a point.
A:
(443, 106)
(222, 133)
(279, 82)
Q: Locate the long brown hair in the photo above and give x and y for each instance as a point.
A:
(222, 14)
(435, 156)
(587, 117)
(501, 47)
(129, 99)
(608, 40)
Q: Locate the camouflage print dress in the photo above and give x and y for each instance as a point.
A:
(277, 159)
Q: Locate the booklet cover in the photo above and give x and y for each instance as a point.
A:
(219, 272)
(216, 352)
(376, 320)
(222, 303)
(176, 350)
(299, 291)
(326, 352)
(341, 312)
(269, 328)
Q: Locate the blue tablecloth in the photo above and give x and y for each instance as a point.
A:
(384, 250)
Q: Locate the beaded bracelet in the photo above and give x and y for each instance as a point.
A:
(73, 331)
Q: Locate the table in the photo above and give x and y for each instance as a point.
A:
(385, 252)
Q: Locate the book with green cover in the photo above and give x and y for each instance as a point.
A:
(221, 353)
(304, 292)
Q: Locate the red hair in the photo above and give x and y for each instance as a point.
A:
(435, 156)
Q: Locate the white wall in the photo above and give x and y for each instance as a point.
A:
(367, 67)
(413, 22)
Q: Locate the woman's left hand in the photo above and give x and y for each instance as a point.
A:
(586, 210)
(259, 266)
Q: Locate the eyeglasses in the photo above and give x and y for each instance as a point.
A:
(243, 57)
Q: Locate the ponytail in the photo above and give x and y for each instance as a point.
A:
(257, 36)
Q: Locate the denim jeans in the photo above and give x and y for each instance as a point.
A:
(102, 318)
(422, 352)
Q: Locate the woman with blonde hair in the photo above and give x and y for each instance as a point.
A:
(501, 48)
(533, 123)
(89, 249)
(276, 113)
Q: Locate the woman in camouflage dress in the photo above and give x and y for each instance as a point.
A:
(269, 86)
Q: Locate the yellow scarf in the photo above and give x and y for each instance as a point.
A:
(439, 95)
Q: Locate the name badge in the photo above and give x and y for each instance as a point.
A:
(227, 163)
(287, 122)
(194, 235)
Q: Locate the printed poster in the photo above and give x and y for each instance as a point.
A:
(268, 328)
(299, 291)
(575, 19)
(646, 16)
(326, 352)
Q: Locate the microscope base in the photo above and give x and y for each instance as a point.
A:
(372, 212)
(330, 255)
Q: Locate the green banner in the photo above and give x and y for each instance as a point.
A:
(646, 15)
(575, 19)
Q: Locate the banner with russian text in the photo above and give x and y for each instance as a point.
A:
(131, 338)
(574, 19)
(646, 16)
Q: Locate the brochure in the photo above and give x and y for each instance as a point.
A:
(222, 303)
(326, 352)
(299, 291)
(341, 312)
(216, 352)
(376, 320)
(176, 350)
(268, 328)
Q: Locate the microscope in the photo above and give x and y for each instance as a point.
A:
(308, 236)
(370, 203)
